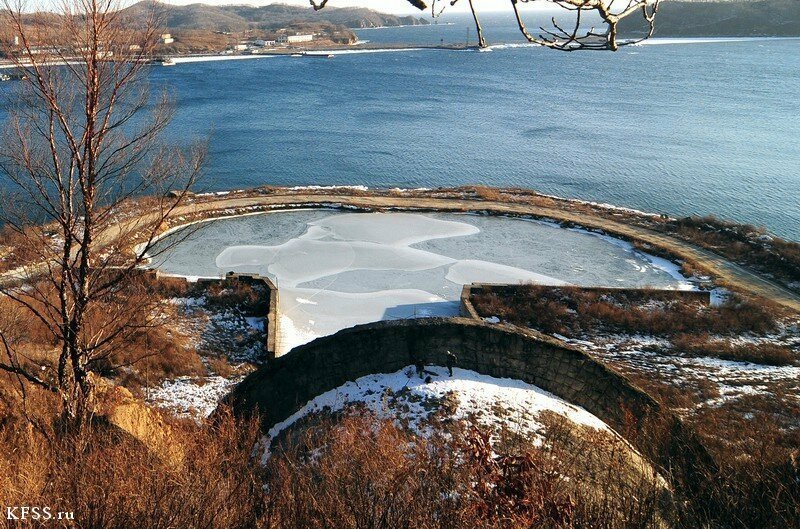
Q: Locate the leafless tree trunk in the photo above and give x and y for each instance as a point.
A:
(478, 27)
(83, 139)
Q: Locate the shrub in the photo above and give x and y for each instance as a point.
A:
(757, 353)
(572, 310)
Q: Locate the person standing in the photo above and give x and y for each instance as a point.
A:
(451, 361)
(420, 367)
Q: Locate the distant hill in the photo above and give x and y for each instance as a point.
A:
(242, 17)
(733, 18)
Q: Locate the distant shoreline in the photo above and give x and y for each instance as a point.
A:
(376, 48)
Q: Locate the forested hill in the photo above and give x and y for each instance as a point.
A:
(732, 18)
(241, 17)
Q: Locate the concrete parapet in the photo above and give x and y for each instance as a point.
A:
(283, 386)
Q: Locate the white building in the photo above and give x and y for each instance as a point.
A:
(294, 39)
(166, 38)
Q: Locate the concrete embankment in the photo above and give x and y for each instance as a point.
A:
(726, 271)
(284, 385)
(733, 275)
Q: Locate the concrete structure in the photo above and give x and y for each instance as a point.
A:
(271, 317)
(294, 39)
(166, 38)
(284, 385)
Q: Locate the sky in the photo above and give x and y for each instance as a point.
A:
(384, 6)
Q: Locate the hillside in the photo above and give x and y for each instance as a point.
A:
(238, 18)
(735, 18)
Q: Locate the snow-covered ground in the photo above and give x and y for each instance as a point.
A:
(728, 379)
(216, 333)
(421, 404)
(335, 270)
(194, 397)
(217, 330)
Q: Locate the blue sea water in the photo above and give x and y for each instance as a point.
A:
(683, 128)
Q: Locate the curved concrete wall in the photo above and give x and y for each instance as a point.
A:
(279, 389)
(287, 383)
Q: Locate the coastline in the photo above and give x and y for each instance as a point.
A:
(370, 47)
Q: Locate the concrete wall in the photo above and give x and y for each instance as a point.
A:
(283, 386)
(271, 334)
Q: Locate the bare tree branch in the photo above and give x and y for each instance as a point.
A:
(83, 140)
(578, 37)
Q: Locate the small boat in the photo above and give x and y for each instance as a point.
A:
(168, 61)
(296, 55)
(4, 77)
(319, 54)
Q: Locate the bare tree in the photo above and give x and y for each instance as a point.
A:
(82, 140)
(580, 34)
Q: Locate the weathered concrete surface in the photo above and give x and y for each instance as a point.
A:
(283, 386)
(728, 272)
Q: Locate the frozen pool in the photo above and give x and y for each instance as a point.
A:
(336, 269)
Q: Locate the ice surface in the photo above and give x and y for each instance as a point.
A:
(301, 260)
(399, 229)
(470, 271)
(307, 314)
(335, 270)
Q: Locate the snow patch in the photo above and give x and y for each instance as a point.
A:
(404, 397)
(194, 397)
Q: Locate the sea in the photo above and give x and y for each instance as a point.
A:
(676, 126)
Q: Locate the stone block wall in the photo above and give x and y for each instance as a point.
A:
(286, 384)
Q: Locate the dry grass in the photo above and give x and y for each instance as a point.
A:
(758, 353)
(571, 311)
(743, 243)
(359, 472)
(111, 481)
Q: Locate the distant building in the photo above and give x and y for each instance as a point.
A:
(260, 43)
(240, 47)
(166, 38)
(294, 39)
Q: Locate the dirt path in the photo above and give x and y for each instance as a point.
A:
(731, 273)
